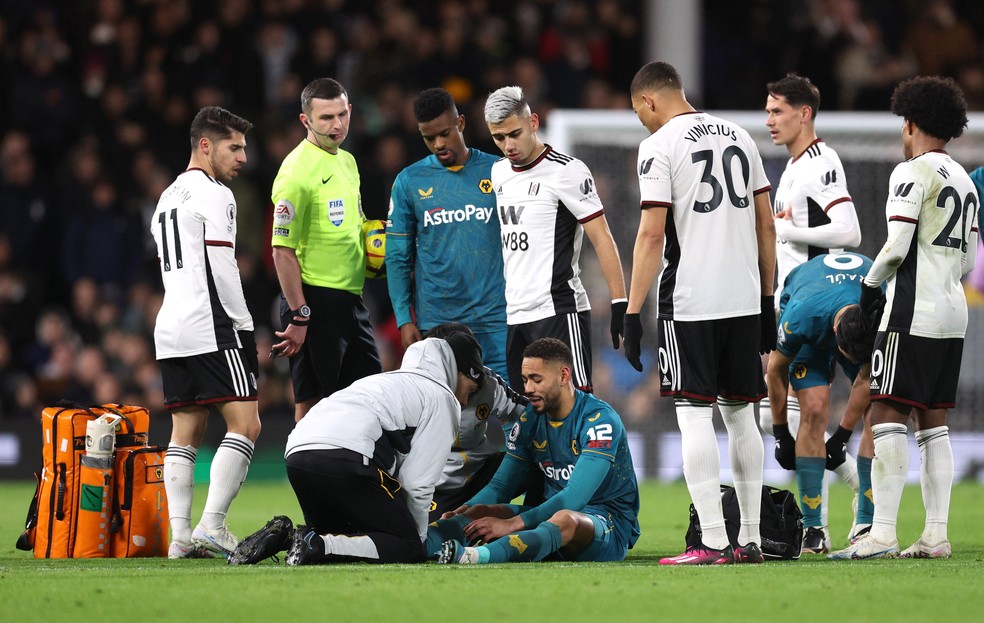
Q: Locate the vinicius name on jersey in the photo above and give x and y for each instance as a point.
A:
(442, 216)
(704, 129)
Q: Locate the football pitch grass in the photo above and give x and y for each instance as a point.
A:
(811, 589)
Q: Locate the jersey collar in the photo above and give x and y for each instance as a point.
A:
(800, 155)
(529, 165)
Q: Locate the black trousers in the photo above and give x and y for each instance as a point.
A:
(341, 492)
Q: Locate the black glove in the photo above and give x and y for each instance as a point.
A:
(632, 339)
(837, 447)
(618, 321)
(872, 306)
(767, 320)
(785, 447)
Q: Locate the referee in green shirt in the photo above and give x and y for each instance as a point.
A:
(319, 253)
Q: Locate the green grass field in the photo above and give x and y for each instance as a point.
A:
(152, 590)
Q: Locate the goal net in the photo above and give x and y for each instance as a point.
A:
(869, 145)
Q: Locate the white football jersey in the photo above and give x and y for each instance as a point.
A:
(925, 297)
(194, 227)
(541, 207)
(823, 218)
(706, 172)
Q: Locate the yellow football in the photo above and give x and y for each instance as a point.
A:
(374, 232)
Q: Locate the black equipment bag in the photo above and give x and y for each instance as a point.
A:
(781, 524)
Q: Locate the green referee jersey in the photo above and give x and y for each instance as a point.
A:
(318, 213)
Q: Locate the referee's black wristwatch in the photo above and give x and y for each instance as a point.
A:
(301, 316)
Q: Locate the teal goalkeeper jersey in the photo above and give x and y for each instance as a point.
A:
(443, 251)
(813, 294)
(592, 428)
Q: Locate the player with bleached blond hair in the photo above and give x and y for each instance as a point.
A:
(547, 201)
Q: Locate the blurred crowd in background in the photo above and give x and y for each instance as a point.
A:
(96, 97)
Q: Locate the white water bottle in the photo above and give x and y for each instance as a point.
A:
(100, 437)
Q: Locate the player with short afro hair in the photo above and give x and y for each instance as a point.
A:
(432, 103)
(936, 105)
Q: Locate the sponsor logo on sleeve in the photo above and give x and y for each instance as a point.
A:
(283, 212)
(281, 232)
(903, 190)
(514, 432)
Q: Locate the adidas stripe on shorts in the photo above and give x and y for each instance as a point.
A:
(223, 376)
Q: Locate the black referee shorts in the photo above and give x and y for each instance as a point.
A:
(339, 348)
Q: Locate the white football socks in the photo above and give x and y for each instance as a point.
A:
(936, 479)
(888, 472)
(702, 468)
(355, 546)
(848, 471)
(792, 415)
(747, 455)
(229, 467)
(765, 416)
(179, 485)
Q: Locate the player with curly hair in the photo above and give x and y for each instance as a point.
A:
(932, 242)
